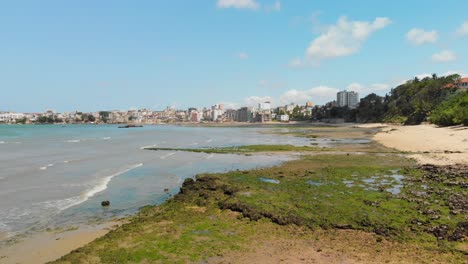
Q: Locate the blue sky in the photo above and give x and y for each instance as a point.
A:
(91, 55)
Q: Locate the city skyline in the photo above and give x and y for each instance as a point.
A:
(118, 55)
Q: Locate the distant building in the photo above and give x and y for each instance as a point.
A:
(195, 116)
(263, 117)
(309, 104)
(264, 106)
(290, 107)
(11, 117)
(283, 118)
(463, 83)
(244, 114)
(349, 99)
(231, 115)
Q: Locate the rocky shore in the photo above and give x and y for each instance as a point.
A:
(357, 202)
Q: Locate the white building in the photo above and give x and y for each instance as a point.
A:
(290, 107)
(463, 83)
(349, 99)
(11, 117)
(266, 106)
(217, 114)
(283, 118)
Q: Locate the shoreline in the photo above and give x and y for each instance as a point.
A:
(46, 246)
(429, 144)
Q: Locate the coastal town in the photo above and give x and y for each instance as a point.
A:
(262, 113)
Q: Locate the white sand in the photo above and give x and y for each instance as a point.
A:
(434, 145)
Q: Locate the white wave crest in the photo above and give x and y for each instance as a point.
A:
(43, 168)
(99, 187)
(167, 155)
(73, 141)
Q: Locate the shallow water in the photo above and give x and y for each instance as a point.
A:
(269, 180)
(52, 175)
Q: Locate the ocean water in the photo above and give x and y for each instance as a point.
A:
(54, 175)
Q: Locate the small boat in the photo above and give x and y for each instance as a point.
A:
(130, 126)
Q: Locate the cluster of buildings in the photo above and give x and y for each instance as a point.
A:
(264, 112)
(462, 83)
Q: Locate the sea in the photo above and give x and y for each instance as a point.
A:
(52, 176)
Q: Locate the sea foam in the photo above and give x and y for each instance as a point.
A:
(100, 186)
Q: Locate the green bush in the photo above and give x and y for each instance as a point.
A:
(454, 111)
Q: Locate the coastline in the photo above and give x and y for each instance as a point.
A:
(430, 144)
(47, 246)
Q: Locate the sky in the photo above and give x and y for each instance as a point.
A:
(108, 55)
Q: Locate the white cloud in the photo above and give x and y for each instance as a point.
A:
(296, 63)
(461, 73)
(463, 29)
(242, 55)
(276, 6)
(318, 95)
(417, 36)
(377, 88)
(240, 4)
(230, 105)
(255, 100)
(263, 83)
(343, 39)
(444, 56)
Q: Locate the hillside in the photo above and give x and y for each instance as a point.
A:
(430, 99)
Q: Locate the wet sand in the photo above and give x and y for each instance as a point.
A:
(48, 246)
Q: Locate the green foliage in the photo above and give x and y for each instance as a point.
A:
(42, 119)
(218, 213)
(371, 108)
(245, 149)
(104, 116)
(415, 99)
(454, 111)
(21, 121)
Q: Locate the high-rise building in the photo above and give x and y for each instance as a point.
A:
(264, 106)
(349, 99)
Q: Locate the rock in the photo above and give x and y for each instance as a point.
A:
(105, 203)
(166, 190)
(440, 232)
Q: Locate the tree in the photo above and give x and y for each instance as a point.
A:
(104, 116)
(42, 119)
(371, 108)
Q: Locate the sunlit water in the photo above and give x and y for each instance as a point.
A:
(56, 175)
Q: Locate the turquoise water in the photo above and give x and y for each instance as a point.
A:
(56, 175)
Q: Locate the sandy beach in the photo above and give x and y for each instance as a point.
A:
(48, 246)
(432, 144)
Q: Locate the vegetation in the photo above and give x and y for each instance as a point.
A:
(415, 99)
(454, 111)
(410, 103)
(48, 120)
(104, 116)
(219, 214)
(245, 149)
